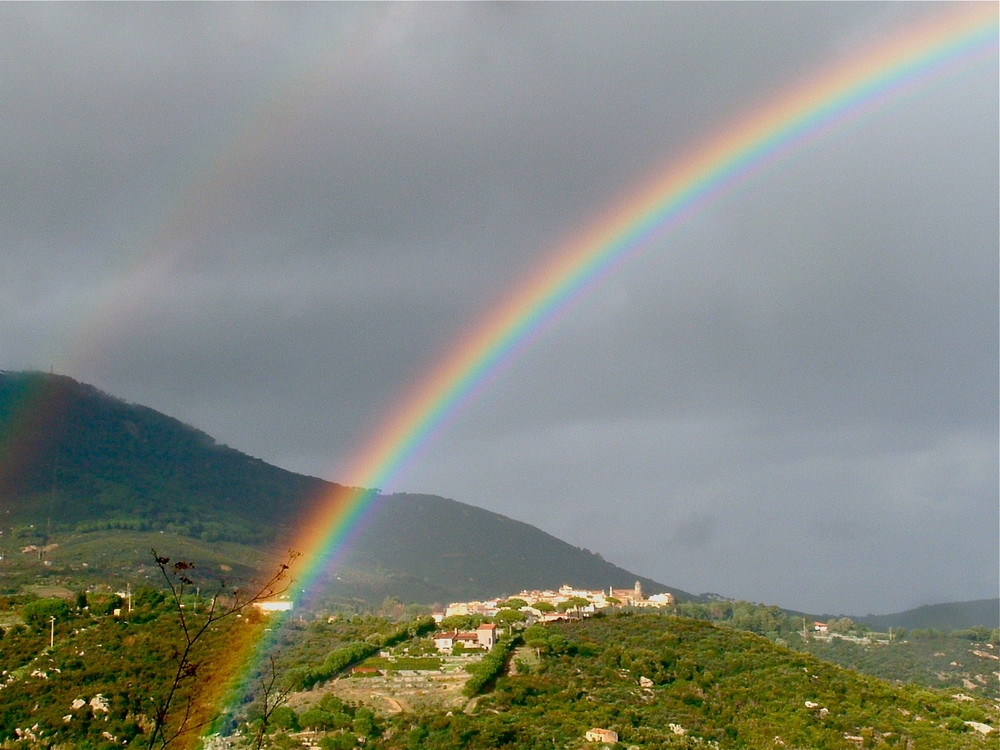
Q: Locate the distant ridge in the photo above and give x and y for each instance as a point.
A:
(950, 616)
(76, 460)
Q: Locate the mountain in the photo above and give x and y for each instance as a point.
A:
(76, 462)
(75, 457)
(951, 616)
(443, 550)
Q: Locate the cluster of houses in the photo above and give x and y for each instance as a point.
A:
(540, 606)
(584, 601)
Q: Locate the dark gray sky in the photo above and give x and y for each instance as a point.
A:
(268, 220)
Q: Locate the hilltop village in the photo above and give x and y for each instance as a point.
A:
(545, 606)
(537, 605)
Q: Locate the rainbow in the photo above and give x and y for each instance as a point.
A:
(965, 36)
(788, 123)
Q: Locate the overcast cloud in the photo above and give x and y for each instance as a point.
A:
(268, 220)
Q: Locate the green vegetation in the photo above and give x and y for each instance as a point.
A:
(341, 658)
(79, 463)
(400, 663)
(37, 614)
(89, 462)
(485, 671)
(107, 675)
(659, 681)
(918, 657)
(667, 682)
(932, 658)
(951, 616)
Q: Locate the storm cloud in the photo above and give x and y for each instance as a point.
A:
(268, 220)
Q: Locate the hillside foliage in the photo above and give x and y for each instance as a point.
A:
(75, 461)
(659, 681)
(662, 681)
(107, 677)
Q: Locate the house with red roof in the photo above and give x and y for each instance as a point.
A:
(483, 637)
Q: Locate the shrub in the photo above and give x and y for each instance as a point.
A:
(38, 614)
(490, 667)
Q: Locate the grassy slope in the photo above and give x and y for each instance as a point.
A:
(934, 661)
(725, 688)
(116, 558)
(720, 686)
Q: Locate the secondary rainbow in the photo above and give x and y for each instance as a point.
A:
(964, 37)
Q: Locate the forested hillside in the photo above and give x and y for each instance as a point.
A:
(74, 458)
(964, 658)
(76, 462)
(438, 549)
(75, 676)
(949, 616)
(661, 681)
(657, 681)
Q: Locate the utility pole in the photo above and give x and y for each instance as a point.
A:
(52, 632)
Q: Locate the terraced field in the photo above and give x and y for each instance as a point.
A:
(395, 691)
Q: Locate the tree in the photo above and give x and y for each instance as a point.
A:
(537, 637)
(104, 604)
(315, 718)
(462, 622)
(38, 614)
(514, 603)
(170, 721)
(284, 717)
(574, 603)
(840, 625)
(272, 702)
(392, 608)
(509, 617)
(364, 723)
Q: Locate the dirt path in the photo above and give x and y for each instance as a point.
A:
(395, 707)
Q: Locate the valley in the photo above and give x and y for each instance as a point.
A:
(131, 546)
(345, 679)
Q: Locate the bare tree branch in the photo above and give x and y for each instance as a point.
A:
(193, 630)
